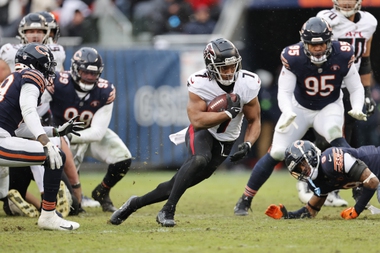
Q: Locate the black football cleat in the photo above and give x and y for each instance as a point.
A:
(121, 214)
(165, 217)
(243, 205)
(101, 194)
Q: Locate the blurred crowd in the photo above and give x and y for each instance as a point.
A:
(171, 16)
(77, 17)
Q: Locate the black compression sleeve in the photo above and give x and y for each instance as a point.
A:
(365, 66)
(299, 214)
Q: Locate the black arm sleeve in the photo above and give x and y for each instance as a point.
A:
(365, 66)
(299, 214)
(357, 170)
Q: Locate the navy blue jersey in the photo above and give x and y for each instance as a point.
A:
(66, 104)
(331, 173)
(318, 86)
(10, 88)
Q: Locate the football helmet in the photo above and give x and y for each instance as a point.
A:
(33, 21)
(36, 56)
(217, 55)
(302, 153)
(55, 32)
(316, 31)
(86, 68)
(347, 7)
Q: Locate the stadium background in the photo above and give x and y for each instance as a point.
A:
(151, 81)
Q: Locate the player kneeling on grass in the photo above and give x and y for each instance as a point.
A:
(336, 168)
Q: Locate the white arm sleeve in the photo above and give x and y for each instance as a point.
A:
(349, 161)
(23, 132)
(286, 85)
(46, 97)
(28, 104)
(98, 128)
(355, 87)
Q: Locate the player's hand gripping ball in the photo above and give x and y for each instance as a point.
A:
(220, 103)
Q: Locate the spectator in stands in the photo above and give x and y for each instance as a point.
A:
(11, 13)
(201, 22)
(170, 16)
(76, 19)
(213, 5)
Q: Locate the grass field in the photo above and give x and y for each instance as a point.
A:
(205, 222)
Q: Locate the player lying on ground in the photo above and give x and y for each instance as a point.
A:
(336, 168)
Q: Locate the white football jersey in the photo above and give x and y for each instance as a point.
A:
(8, 54)
(357, 34)
(247, 86)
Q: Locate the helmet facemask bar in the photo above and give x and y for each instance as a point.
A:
(347, 11)
(217, 70)
(318, 59)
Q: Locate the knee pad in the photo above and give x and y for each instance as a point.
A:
(334, 133)
(277, 153)
(4, 172)
(201, 161)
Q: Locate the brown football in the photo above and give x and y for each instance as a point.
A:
(219, 103)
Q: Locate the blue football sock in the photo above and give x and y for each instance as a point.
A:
(261, 172)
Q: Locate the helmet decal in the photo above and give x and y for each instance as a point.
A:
(209, 53)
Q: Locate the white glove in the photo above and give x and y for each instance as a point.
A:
(358, 114)
(53, 156)
(285, 120)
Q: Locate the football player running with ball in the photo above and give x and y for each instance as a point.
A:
(356, 27)
(336, 168)
(211, 135)
(309, 95)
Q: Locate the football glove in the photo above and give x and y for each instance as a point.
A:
(285, 120)
(70, 127)
(53, 156)
(233, 108)
(277, 212)
(358, 114)
(244, 149)
(369, 103)
(349, 213)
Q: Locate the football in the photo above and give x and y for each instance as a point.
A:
(219, 103)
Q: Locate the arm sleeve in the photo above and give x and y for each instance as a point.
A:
(355, 87)
(28, 103)
(286, 85)
(23, 132)
(353, 167)
(98, 128)
(46, 97)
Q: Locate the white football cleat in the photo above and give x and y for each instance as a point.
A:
(304, 193)
(89, 202)
(333, 199)
(49, 220)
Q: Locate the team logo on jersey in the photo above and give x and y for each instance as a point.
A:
(94, 103)
(335, 67)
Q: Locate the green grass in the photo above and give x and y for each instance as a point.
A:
(205, 222)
